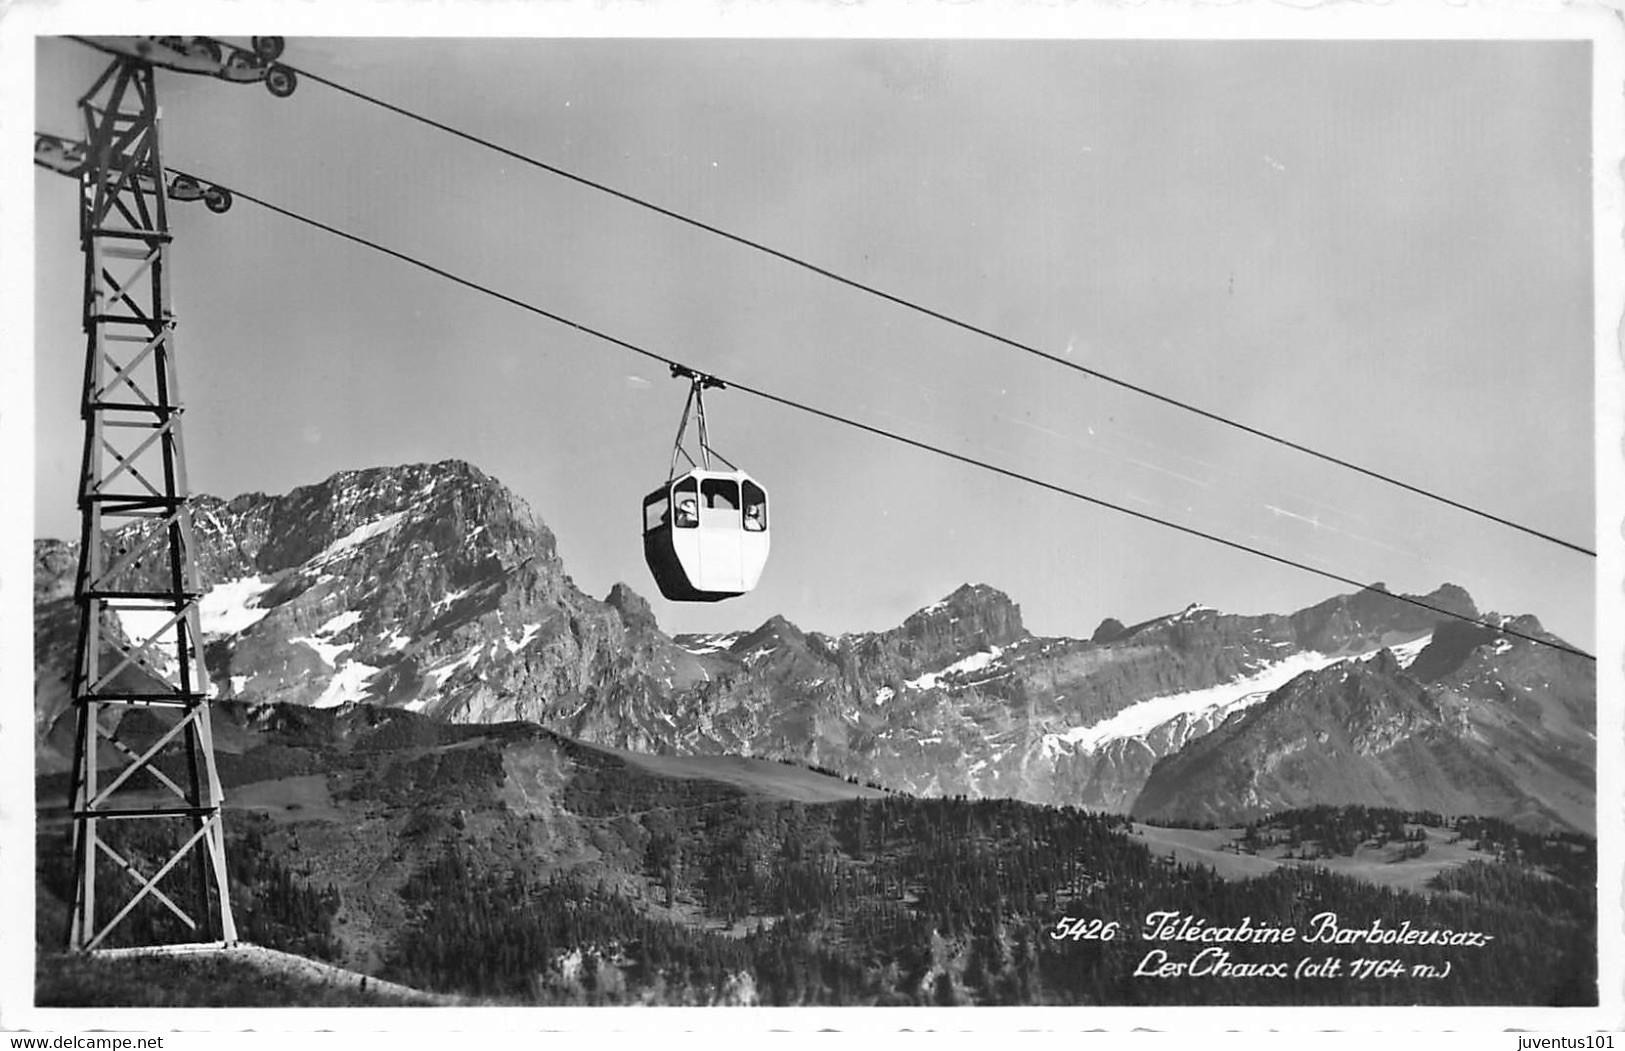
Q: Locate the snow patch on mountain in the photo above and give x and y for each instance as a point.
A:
(140, 624)
(359, 535)
(446, 671)
(699, 645)
(1141, 718)
(229, 607)
(1407, 652)
(524, 640)
(975, 662)
(348, 684)
(446, 600)
(337, 624)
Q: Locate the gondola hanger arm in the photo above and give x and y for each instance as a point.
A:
(698, 384)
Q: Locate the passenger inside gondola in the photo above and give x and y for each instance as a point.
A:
(755, 507)
(685, 493)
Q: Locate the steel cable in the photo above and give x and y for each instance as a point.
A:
(915, 443)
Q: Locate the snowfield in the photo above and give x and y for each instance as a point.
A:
(140, 625)
(359, 535)
(975, 662)
(230, 607)
(524, 640)
(446, 671)
(337, 624)
(1407, 652)
(712, 643)
(349, 683)
(1220, 701)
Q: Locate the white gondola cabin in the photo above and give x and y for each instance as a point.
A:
(706, 536)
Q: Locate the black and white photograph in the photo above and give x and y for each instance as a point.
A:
(838, 519)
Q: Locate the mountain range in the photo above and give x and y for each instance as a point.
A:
(435, 590)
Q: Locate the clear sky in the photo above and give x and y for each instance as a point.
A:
(1382, 250)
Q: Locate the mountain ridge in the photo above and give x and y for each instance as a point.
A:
(431, 587)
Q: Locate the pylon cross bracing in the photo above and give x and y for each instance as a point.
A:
(143, 749)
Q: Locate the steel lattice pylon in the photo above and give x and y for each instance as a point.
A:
(146, 800)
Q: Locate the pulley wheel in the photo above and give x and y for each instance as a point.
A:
(280, 81)
(268, 47)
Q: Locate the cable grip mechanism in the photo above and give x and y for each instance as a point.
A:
(694, 405)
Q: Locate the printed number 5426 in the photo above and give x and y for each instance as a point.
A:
(1083, 929)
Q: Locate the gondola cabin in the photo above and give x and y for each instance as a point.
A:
(705, 535)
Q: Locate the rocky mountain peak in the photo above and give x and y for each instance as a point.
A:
(634, 608)
(1453, 642)
(1527, 623)
(1384, 663)
(975, 596)
(1476, 723)
(1374, 614)
(774, 631)
(1110, 630)
(973, 617)
(448, 503)
(1452, 597)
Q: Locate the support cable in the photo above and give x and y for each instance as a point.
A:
(908, 304)
(891, 435)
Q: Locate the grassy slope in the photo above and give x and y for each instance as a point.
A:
(1378, 865)
(758, 776)
(332, 838)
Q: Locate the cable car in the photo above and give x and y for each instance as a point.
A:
(705, 532)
